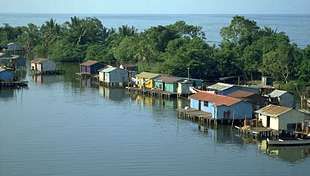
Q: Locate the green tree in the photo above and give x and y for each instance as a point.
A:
(126, 51)
(30, 38)
(51, 31)
(280, 63)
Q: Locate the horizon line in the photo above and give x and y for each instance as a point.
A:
(38, 13)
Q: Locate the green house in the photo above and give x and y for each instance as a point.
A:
(168, 83)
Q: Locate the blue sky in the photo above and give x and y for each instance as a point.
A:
(157, 6)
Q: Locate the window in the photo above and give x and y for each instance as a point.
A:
(205, 103)
(226, 114)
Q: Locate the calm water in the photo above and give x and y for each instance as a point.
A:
(296, 26)
(61, 126)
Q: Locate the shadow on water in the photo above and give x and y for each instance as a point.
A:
(7, 94)
(47, 79)
(113, 94)
(293, 154)
(158, 103)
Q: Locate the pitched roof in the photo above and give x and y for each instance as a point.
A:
(108, 69)
(218, 100)
(4, 69)
(147, 75)
(277, 93)
(220, 86)
(241, 94)
(169, 79)
(89, 63)
(39, 60)
(273, 110)
(129, 66)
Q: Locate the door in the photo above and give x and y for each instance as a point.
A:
(268, 122)
(199, 105)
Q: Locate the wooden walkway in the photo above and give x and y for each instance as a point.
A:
(258, 132)
(15, 84)
(296, 142)
(196, 116)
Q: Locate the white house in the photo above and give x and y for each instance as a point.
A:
(113, 76)
(281, 118)
(43, 65)
(184, 87)
(282, 98)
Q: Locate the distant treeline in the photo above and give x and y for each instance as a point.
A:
(246, 49)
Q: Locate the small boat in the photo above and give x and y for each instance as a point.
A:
(294, 142)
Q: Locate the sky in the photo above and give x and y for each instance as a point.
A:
(156, 6)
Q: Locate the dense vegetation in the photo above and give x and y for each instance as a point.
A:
(246, 50)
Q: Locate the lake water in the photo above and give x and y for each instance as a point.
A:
(64, 127)
(296, 26)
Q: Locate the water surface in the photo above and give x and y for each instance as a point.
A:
(297, 27)
(62, 126)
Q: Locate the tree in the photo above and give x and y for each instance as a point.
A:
(30, 37)
(188, 52)
(183, 29)
(304, 71)
(125, 30)
(241, 32)
(280, 63)
(304, 67)
(51, 31)
(85, 31)
(64, 51)
(126, 51)
(159, 37)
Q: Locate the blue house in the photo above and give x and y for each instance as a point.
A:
(6, 75)
(221, 107)
(14, 61)
(226, 89)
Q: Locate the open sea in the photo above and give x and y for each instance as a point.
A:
(297, 27)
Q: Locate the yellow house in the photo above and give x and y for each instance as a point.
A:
(146, 80)
(281, 118)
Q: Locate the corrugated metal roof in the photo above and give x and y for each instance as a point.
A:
(273, 110)
(147, 75)
(169, 79)
(220, 86)
(109, 69)
(89, 63)
(39, 60)
(241, 94)
(2, 69)
(218, 100)
(277, 93)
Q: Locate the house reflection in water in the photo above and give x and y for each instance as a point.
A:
(47, 79)
(290, 154)
(159, 103)
(114, 94)
(7, 94)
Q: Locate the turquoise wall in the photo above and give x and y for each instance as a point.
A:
(171, 87)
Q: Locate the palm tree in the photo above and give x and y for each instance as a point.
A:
(50, 33)
(127, 30)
